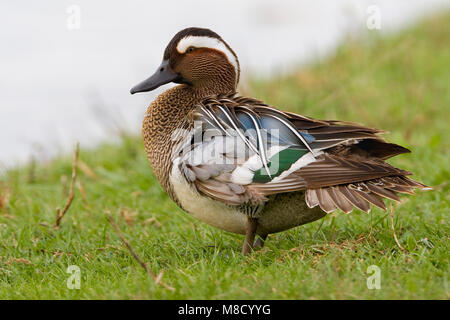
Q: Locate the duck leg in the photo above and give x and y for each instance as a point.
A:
(250, 233)
(259, 243)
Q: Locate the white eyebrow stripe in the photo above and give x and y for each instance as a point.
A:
(207, 42)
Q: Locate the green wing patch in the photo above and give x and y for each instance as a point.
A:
(278, 163)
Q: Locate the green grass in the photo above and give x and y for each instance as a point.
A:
(399, 83)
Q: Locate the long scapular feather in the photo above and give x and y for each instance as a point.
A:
(216, 120)
(208, 119)
(263, 153)
(241, 135)
(288, 125)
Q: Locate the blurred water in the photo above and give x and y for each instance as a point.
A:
(58, 86)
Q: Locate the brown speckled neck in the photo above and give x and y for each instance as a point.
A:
(168, 112)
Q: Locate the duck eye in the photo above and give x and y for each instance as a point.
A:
(190, 49)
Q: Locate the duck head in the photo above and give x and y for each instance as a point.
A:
(199, 58)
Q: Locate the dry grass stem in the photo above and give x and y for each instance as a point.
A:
(60, 213)
(157, 278)
(393, 230)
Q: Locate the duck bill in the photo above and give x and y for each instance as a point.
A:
(164, 74)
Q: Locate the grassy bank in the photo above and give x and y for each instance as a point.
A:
(400, 84)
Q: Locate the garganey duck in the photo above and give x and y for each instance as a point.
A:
(243, 166)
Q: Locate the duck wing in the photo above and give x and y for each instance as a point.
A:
(241, 150)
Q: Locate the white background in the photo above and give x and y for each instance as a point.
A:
(58, 86)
